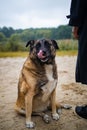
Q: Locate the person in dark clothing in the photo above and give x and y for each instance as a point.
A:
(78, 21)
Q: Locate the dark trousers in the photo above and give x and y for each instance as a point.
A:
(81, 66)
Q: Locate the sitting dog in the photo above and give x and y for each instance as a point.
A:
(38, 81)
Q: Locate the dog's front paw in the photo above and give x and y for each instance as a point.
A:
(46, 118)
(30, 124)
(55, 116)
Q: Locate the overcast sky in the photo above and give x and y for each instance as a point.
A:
(33, 13)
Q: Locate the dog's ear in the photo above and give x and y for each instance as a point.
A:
(55, 44)
(30, 43)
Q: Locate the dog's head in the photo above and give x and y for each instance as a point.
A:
(44, 50)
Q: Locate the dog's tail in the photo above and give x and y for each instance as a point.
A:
(19, 110)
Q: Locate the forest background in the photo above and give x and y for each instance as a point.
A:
(14, 40)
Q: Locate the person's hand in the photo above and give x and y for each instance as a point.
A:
(75, 32)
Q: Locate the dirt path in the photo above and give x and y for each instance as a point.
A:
(68, 92)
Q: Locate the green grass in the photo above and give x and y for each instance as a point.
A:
(25, 54)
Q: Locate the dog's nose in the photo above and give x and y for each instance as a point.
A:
(44, 53)
(41, 54)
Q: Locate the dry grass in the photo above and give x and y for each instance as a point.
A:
(24, 54)
(13, 54)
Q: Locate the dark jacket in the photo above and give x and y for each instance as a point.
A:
(78, 12)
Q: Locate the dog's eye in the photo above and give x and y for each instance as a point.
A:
(47, 44)
(38, 45)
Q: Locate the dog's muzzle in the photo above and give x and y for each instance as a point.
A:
(42, 56)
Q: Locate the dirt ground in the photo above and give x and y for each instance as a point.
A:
(68, 92)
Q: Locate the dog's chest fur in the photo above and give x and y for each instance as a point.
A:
(41, 101)
(49, 72)
(51, 84)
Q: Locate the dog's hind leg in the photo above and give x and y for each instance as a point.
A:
(44, 116)
(61, 106)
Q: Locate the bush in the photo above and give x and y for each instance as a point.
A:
(68, 44)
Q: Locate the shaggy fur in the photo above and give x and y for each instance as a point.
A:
(38, 81)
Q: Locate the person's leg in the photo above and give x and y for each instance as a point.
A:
(81, 67)
(82, 63)
(77, 72)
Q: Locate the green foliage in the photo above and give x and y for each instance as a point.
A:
(62, 32)
(3, 40)
(15, 40)
(2, 37)
(68, 44)
(7, 31)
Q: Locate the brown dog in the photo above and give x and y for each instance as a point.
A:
(38, 81)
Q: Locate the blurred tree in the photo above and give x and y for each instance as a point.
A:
(62, 32)
(13, 43)
(2, 37)
(7, 31)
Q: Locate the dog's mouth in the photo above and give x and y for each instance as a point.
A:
(42, 56)
(44, 59)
